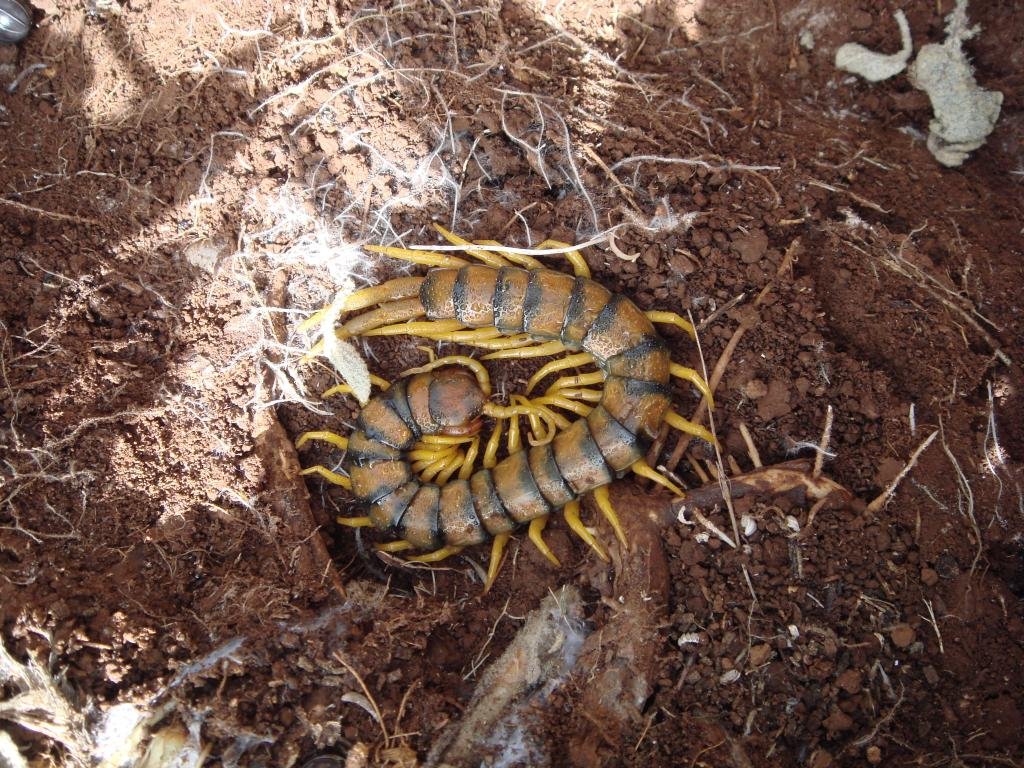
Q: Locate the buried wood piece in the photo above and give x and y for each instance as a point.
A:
(502, 717)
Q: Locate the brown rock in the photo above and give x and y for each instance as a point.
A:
(929, 577)
(755, 389)
(873, 754)
(851, 681)
(751, 247)
(776, 402)
(902, 635)
(838, 721)
(759, 654)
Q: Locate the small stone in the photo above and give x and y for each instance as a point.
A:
(751, 247)
(931, 675)
(851, 681)
(929, 577)
(820, 759)
(873, 754)
(838, 721)
(729, 677)
(902, 635)
(754, 389)
(759, 654)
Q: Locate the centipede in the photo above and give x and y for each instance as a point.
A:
(417, 463)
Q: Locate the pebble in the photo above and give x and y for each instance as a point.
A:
(838, 721)
(851, 681)
(902, 635)
(759, 654)
(873, 754)
(751, 247)
(929, 577)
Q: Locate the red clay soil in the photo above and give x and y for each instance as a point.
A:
(172, 176)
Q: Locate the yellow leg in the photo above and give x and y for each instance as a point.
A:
(572, 517)
(571, 361)
(470, 336)
(329, 437)
(586, 395)
(451, 467)
(685, 425)
(483, 341)
(690, 375)
(416, 328)
(604, 503)
(519, 259)
(546, 349)
(671, 318)
(490, 258)
(427, 455)
(354, 522)
(427, 258)
(536, 529)
(328, 475)
(392, 290)
(394, 546)
(582, 380)
(471, 453)
(565, 403)
(345, 389)
(575, 258)
(434, 557)
(497, 549)
(432, 440)
(644, 469)
(493, 442)
(482, 377)
(428, 475)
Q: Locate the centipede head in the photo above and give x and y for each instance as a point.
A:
(455, 401)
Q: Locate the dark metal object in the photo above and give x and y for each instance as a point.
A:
(15, 21)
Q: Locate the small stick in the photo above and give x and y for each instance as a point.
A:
(755, 457)
(826, 436)
(366, 691)
(880, 501)
(700, 518)
(50, 214)
(934, 623)
(626, 193)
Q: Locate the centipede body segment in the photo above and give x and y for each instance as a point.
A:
(405, 462)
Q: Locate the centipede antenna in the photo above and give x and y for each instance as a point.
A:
(330, 437)
(604, 503)
(572, 517)
(436, 556)
(570, 361)
(328, 475)
(354, 522)
(537, 526)
(494, 564)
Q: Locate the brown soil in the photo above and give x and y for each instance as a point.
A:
(156, 546)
